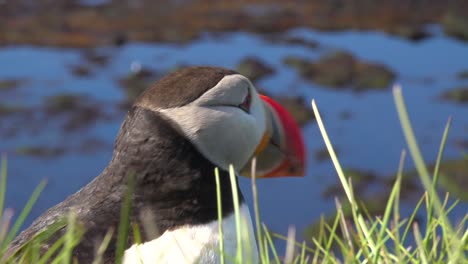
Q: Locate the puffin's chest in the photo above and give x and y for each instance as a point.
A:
(197, 244)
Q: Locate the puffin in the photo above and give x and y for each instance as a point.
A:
(183, 127)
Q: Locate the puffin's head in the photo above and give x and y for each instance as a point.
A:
(220, 112)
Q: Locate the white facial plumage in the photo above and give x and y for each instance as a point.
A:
(224, 133)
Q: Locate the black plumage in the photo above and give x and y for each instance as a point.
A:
(173, 181)
(182, 87)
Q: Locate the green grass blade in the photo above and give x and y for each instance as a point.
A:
(289, 254)
(419, 243)
(362, 229)
(285, 238)
(69, 237)
(340, 220)
(235, 196)
(396, 208)
(25, 258)
(5, 223)
(465, 241)
(424, 175)
(265, 246)
(461, 250)
(220, 216)
(47, 256)
(3, 182)
(124, 224)
(270, 243)
(367, 234)
(24, 251)
(439, 155)
(336, 223)
(332, 153)
(455, 203)
(303, 253)
(136, 233)
(416, 155)
(248, 248)
(261, 249)
(411, 219)
(24, 213)
(435, 180)
(103, 246)
(388, 210)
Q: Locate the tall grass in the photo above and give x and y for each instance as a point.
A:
(361, 238)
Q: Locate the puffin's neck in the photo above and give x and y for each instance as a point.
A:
(173, 181)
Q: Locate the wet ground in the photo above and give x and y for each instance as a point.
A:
(60, 108)
(87, 23)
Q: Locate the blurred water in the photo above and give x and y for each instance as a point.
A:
(370, 140)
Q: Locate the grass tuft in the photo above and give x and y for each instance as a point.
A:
(352, 236)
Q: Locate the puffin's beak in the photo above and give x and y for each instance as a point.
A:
(281, 151)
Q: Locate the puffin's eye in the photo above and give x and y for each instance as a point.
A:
(245, 105)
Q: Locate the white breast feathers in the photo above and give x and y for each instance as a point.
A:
(198, 244)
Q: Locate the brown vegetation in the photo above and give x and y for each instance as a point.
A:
(68, 23)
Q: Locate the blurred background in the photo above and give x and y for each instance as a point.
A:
(70, 69)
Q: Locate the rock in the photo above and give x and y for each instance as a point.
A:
(85, 117)
(6, 110)
(340, 70)
(40, 151)
(412, 32)
(302, 42)
(455, 25)
(345, 115)
(81, 70)
(80, 111)
(93, 145)
(452, 178)
(367, 183)
(120, 39)
(254, 69)
(298, 108)
(334, 70)
(371, 75)
(322, 154)
(292, 40)
(462, 144)
(463, 75)
(137, 81)
(302, 66)
(10, 84)
(61, 103)
(95, 57)
(457, 95)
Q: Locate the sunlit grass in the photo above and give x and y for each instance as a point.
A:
(361, 238)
